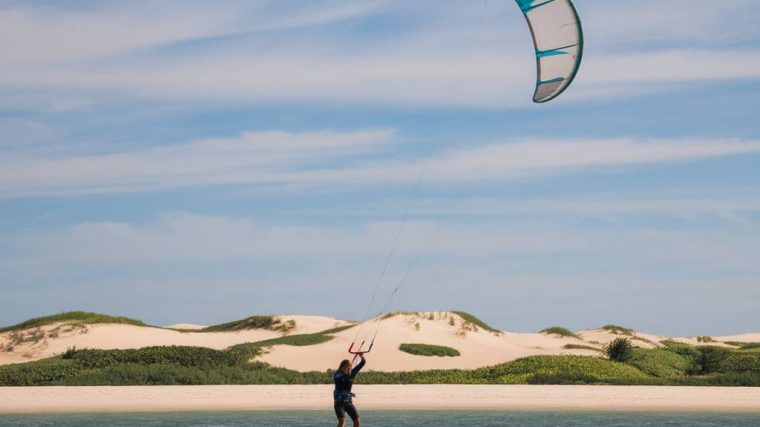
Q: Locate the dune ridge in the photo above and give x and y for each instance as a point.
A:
(478, 344)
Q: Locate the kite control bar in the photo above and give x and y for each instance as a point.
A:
(358, 352)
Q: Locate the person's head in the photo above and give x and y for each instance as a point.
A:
(345, 366)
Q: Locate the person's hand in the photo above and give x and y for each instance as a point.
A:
(362, 356)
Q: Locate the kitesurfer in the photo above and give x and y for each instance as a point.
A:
(344, 379)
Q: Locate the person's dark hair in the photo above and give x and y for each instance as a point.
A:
(343, 364)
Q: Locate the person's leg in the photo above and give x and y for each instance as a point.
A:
(340, 412)
(354, 414)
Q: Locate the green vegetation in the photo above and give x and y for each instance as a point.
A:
(618, 330)
(390, 314)
(660, 363)
(740, 362)
(683, 349)
(469, 322)
(254, 322)
(558, 330)
(581, 347)
(672, 364)
(429, 350)
(619, 349)
(248, 351)
(528, 370)
(705, 339)
(77, 317)
(337, 329)
(168, 355)
(469, 318)
(159, 365)
(709, 359)
(193, 365)
(744, 345)
(568, 370)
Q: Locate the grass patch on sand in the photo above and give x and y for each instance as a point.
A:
(744, 345)
(558, 330)
(391, 314)
(79, 317)
(429, 350)
(471, 319)
(248, 351)
(336, 329)
(267, 322)
(618, 330)
(581, 347)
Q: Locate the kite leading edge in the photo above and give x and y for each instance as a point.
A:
(558, 40)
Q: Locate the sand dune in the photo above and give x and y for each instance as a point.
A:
(740, 338)
(57, 338)
(478, 346)
(186, 326)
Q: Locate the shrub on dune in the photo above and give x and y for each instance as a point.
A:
(619, 349)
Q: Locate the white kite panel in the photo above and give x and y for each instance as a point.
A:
(558, 40)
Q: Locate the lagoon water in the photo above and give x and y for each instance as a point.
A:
(385, 419)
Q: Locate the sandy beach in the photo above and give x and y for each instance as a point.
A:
(378, 397)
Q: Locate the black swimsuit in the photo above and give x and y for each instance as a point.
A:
(342, 394)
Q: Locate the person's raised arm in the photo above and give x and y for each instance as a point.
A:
(358, 367)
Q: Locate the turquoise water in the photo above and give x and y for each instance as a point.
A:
(385, 419)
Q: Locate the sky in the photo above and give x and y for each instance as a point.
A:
(195, 161)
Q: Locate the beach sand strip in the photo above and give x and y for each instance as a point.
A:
(378, 397)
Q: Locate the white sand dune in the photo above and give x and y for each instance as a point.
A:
(740, 338)
(57, 338)
(186, 326)
(478, 347)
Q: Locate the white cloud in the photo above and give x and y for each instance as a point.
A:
(527, 157)
(674, 66)
(418, 65)
(281, 159)
(189, 237)
(251, 158)
(207, 240)
(622, 24)
(492, 79)
(686, 205)
(32, 35)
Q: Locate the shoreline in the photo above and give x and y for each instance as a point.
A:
(27, 400)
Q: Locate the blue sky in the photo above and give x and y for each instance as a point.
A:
(200, 162)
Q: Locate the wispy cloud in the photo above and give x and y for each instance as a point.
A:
(523, 259)
(341, 160)
(686, 23)
(32, 34)
(109, 50)
(255, 157)
(689, 205)
(182, 237)
(493, 79)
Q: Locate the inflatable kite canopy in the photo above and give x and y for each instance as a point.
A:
(558, 39)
